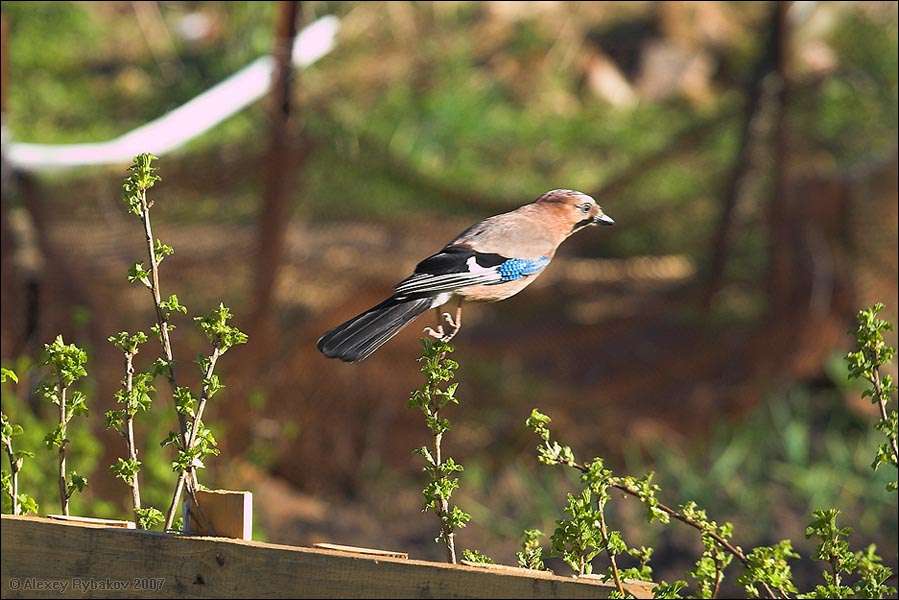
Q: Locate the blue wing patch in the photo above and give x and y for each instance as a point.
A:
(450, 271)
(516, 268)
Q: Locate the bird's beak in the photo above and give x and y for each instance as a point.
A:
(603, 220)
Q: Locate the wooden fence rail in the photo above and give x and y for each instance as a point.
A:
(42, 558)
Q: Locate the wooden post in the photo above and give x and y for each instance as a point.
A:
(780, 282)
(223, 513)
(274, 213)
(4, 61)
(767, 63)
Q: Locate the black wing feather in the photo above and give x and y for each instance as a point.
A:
(450, 270)
(454, 259)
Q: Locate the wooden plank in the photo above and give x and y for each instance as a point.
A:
(496, 567)
(358, 550)
(94, 522)
(223, 513)
(42, 558)
(637, 588)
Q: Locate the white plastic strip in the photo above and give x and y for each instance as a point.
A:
(174, 129)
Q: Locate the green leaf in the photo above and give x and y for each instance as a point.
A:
(149, 518)
(8, 374)
(161, 251)
(663, 589)
(76, 483)
(172, 305)
(531, 554)
(54, 439)
(126, 469)
(769, 565)
(217, 330)
(126, 342)
(115, 419)
(67, 361)
(141, 177)
(476, 556)
(138, 273)
(28, 504)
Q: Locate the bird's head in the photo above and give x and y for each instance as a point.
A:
(576, 209)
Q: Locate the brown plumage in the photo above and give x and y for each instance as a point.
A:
(490, 261)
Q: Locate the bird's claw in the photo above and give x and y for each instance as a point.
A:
(456, 326)
(435, 333)
(452, 323)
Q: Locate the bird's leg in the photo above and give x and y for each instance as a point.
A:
(436, 333)
(456, 323)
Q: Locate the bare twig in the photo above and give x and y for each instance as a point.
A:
(14, 467)
(443, 508)
(835, 571)
(162, 321)
(605, 538)
(128, 434)
(191, 436)
(63, 422)
(718, 577)
(882, 400)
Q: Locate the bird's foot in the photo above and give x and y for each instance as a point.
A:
(455, 324)
(435, 333)
(452, 322)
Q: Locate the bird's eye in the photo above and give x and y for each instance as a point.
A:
(585, 208)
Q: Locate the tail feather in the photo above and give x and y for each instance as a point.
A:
(359, 337)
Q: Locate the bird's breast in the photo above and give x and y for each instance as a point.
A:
(495, 292)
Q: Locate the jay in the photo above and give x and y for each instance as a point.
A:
(488, 262)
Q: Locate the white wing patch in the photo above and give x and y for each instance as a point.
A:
(425, 282)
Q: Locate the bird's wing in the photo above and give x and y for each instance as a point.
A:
(460, 266)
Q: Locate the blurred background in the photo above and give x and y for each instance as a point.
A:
(747, 152)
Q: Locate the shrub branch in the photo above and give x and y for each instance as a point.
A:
(677, 515)
(141, 177)
(131, 447)
(162, 320)
(865, 364)
(552, 453)
(883, 398)
(16, 458)
(431, 398)
(199, 439)
(67, 363)
(134, 397)
(616, 576)
(14, 466)
(193, 427)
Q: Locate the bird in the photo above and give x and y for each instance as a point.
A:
(488, 262)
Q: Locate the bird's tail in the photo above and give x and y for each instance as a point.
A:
(359, 337)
